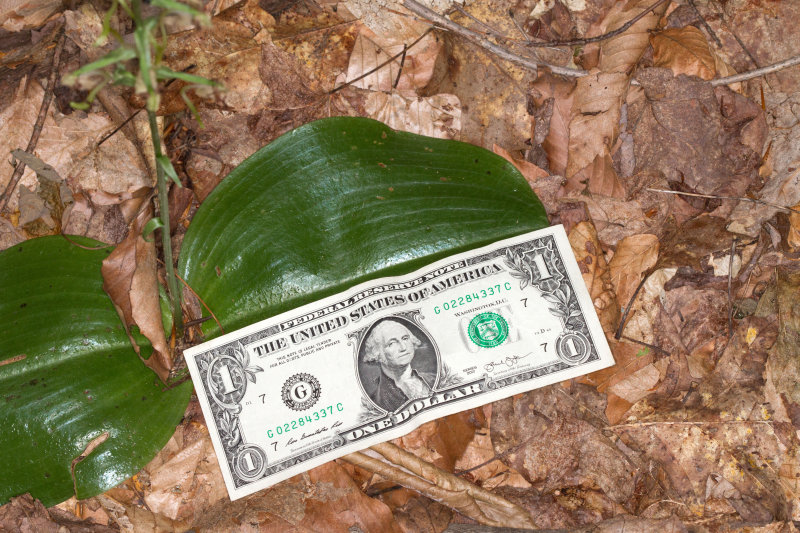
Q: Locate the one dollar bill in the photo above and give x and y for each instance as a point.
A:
(374, 362)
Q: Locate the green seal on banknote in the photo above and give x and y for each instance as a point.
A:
(488, 330)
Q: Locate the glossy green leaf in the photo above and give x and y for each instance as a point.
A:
(340, 201)
(68, 374)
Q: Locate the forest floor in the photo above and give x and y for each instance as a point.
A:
(680, 194)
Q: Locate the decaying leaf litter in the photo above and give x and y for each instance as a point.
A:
(680, 198)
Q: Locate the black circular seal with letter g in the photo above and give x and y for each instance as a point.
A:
(301, 391)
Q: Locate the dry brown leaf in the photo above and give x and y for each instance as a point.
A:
(601, 178)
(323, 499)
(594, 119)
(556, 144)
(633, 257)
(229, 53)
(443, 441)
(641, 383)
(530, 171)
(684, 51)
(722, 433)
(405, 468)
(555, 439)
(783, 366)
(596, 274)
(184, 478)
(371, 50)
(129, 278)
(693, 135)
(433, 116)
(25, 515)
(793, 237)
(19, 15)
(68, 144)
(621, 52)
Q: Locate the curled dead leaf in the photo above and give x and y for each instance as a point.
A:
(129, 278)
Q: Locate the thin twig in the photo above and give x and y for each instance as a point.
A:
(705, 24)
(39, 124)
(624, 318)
(587, 40)
(405, 50)
(730, 289)
(716, 197)
(447, 24)
(116, 129)
(519, 28)
(488, 28)
(478, 39)
(653, 347)
(749, 75)
(190, 323)
(402, 64)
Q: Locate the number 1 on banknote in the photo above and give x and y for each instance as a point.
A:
(376, 361)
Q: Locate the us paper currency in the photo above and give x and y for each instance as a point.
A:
(374, 362)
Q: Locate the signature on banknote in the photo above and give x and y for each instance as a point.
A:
(508, 362)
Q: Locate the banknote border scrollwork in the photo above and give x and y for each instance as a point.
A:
(225, 414)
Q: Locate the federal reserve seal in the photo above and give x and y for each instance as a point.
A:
(488, 330)
(301, 391)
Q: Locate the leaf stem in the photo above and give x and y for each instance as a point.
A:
(163, 212)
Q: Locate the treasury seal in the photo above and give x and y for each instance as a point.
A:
(488, 330)
(301, 391)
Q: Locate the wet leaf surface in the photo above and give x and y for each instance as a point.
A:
(70, 375)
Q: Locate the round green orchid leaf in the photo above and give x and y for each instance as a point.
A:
(340, 201)
(69, 377)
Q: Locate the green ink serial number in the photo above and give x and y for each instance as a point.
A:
(286, 427)
(469, 298)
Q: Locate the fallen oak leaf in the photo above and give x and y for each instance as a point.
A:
(634, 256)
(432, 116)
(407, 73)
(684, 51)
(129, 278)
(595, 114)
(556, 142)
(526, 168)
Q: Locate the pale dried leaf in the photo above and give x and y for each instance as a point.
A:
(637, 385)
(684, 51)
(640, 324)
(389, 19)
(433, 116)
(19, 15)
(602, 179)
(594, 122)
(596, 274)
(556, 144)
(633, 257)
(323, 499)
(371, 50)
(621, 52)
(783, 365)
(129, 278)
(68, 144)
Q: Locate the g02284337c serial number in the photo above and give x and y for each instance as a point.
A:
(286, 427)
(471, 297)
